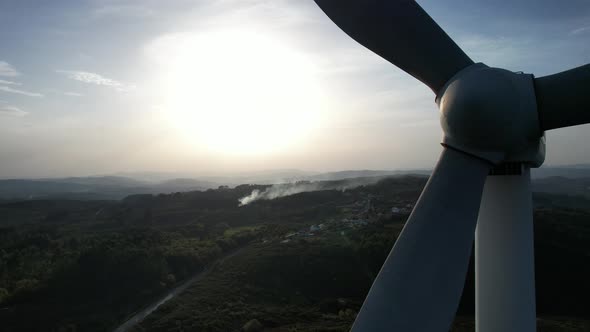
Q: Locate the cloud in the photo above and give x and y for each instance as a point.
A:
(9, 82)
(7, 70)
(12, 111)
(581, 30)
(97, 79)
(20, 92)
(64, 93)
(73, 94)
(123, 11)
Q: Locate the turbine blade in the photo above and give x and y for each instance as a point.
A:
(421, 281)
(563, 99)
(402, 33)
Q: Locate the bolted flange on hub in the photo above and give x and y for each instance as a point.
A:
(491, 113)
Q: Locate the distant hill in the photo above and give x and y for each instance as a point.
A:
(176, 185)
(563, 185)
(573, 180)
(92, 188)
(332, 176)
(289, 175)
(261, 177)
(574, 171)
(103, 181)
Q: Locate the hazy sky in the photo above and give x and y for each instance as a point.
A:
(213, 86)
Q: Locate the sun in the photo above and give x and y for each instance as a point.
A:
(237, 92)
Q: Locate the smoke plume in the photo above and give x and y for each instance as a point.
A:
(287, 189)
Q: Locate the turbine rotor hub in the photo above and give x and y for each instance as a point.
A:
(492, 113)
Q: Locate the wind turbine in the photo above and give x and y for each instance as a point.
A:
(493, 122)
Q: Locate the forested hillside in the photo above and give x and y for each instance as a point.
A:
(306, 260)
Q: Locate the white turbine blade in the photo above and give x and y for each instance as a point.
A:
(563, 99)
(421, 282)
(402, 33)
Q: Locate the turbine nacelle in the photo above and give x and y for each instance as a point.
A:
(491, 113)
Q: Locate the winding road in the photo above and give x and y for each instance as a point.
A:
(142, 314)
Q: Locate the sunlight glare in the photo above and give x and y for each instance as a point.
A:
(237, 92)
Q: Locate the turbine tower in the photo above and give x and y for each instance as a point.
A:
(493, 122)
